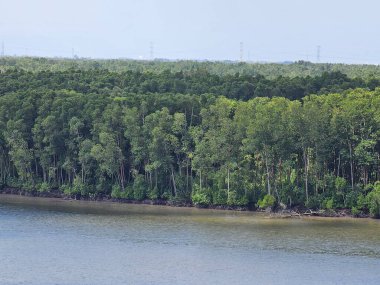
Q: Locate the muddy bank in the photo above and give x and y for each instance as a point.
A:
(59, 194)
(296, 212)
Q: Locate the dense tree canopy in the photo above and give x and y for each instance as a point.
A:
(269, 70)
(236, 140)
(197, 82)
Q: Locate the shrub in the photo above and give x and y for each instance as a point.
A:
(362, 203)
(116, 192)
(351, 199)
(220, 197)
(15, 183)
(340, 184)
(373, 199)
(314, 202)
(63, 189)
(166, 195)
(68, 190)
(267, 201)
(79, 187)
(27, 186)
(201, 199)
(154, 193)
(103, 187)
(128, 193)
(235, 200)
(297, 195)
(355, 211)
(328, 203)
(139, 188)
(43, 187)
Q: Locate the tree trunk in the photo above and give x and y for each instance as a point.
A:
(280, 169)
(200, 180)
(351, 166)
(174, 186)
(122, 176)
(156, 178)
(187, 176)
(306, 168)
(228, 183)
(267, 169)
(338, 165)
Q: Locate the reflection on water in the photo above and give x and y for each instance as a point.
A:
(45, 241)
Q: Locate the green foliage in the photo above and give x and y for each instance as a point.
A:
(166, 195)
(154, 194)
(116, 192)
(128, 193)
(65, 189)
(220, 197)
(14, 182)
(79, 187)
(69, 191)
(328, 204)
(315, 202)
(213, 133)
(373, 199)
(351, 199)
(362, 202)
(267, 202)
(203, 69)
(201, 199)
(355, 211)
(43, 187)
(235, 200)
(340, 184)
(139, 188)
(27, 186)
(103, 186)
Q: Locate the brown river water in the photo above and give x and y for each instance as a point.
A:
(53, 241)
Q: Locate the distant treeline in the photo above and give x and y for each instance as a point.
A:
(231, 140)
(240, 87)
(269, 70)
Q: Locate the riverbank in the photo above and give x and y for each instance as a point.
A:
(278, 213)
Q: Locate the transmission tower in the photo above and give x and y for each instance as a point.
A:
(2, 49)
(241, 51)
(318, 54)
(151, 51)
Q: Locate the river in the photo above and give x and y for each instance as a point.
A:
(53, 241)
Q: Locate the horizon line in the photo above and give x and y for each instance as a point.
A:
(225, 61)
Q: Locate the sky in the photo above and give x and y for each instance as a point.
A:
(347, 31)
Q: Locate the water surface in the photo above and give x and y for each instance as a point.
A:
(48, 241)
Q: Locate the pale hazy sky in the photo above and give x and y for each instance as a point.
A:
(271, 30)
